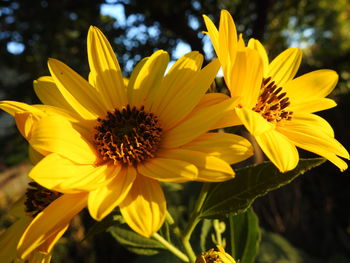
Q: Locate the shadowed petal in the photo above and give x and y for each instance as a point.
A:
(50, 221)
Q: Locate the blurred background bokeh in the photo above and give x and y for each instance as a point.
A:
(311, 216)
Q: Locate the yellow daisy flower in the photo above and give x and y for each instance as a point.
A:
(42, 218)
(117, 142)
(276, 108)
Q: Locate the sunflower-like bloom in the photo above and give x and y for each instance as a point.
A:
(276, 108)
(217, 255)
(117, 142)
(43, 216)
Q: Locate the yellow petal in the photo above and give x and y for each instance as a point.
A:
(285, 66)
(105, 198)
(177, 78)
(213, 34)
(255, 44)
(229, 119)
(310, 106)
(144, 207)
(25, 122)
(45, 249)
(187, 98)
(134, 76)
(247, 74)
(227, 43)
(13, 107)
(311, 86)
(51, 220)
(48, 93)
(226, 146)
(84, 98)
(60, 174)
(210, 168)
(281, 152)
(103, 63)
(56, 134)
(315, 135)
(253, 121)
(204, 119)
(9, 239)
(168, 170)
(148, 79)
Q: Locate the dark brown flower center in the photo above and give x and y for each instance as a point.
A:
(128, 136)
(38, 198)
(272, 102)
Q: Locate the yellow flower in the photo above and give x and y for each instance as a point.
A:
(117, 142)
(276, 108)
(42, 218)
(215, 256)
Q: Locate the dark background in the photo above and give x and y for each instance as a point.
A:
(312, 213)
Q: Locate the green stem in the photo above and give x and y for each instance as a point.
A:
(170, 247)
(192, 223)
(232, 236)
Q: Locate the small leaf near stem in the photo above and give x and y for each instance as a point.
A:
(172, 224)
(171, 247)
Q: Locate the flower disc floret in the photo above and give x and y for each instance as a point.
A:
(128, 136)
(38, 198)
(272, 102)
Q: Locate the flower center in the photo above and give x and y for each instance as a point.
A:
(38, 198)
(128, 136)
(272, 102)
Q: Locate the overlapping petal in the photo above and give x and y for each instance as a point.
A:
(186, 131)
(148, 80)
(51, 221)
(279, 149)
(185, 100)
(105, 70)
(168, 170)
(210, 168)
(81, 96)
(144, 207)
(63, 175)
(284, 67)
(56, 134)
(105, 198)
(229, 147)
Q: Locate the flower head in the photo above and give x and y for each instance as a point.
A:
(43, 216)
(276, 108)
(116, 142)
(217, 255)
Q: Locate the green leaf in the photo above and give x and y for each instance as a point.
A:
(245, 236)
(236, 195)
(133, 241)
